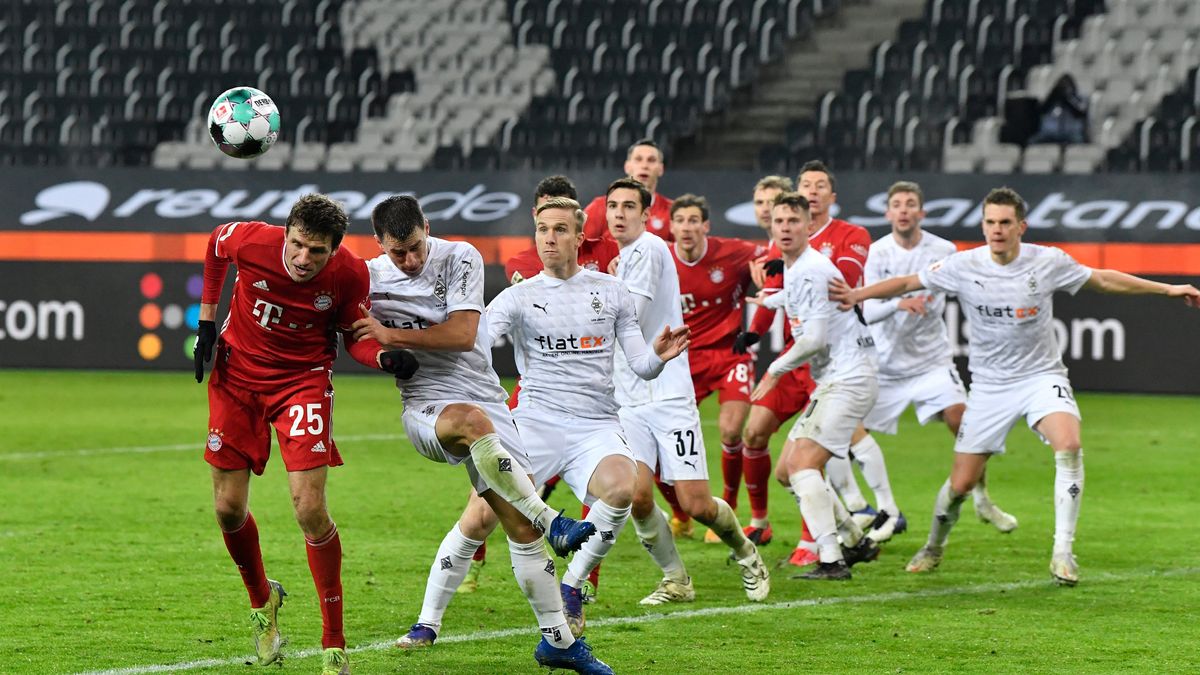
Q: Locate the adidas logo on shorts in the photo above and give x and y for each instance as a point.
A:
(262, 285)
(319, 447)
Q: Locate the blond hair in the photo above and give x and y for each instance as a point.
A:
(566, 204)
(907, 186)
(774, 183)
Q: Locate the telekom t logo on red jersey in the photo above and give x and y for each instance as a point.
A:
(267, 313)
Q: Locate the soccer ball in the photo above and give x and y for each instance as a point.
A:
(243, 122)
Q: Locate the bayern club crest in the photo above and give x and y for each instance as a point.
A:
(323, 302)
(214, 441)
(592, 265)
(827, 250)
(716, 275)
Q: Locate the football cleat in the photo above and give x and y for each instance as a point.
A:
(572, 599)
(470, 582)
(1064, 569)
(566, 535)
(264, 624)
(682, 529)
(864, 551)
(803, 556)
(885, 527)
(418, 636)
(578, 657)
(670, 591)
(990, 513)
(761, 536)
(711, 537)
(589, 592)
(833, 571)
(864, 516)
(926, 560)
(755, 577)
(335, 662)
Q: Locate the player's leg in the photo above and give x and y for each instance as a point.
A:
(761, 424)
(985, 508)
(801, 462)
(869, 457)
(324, 549)
(464, 430)
(1061, 430)
(449, 569)
(730, 421)
(654, 532)
(470, 582)
(681, 522)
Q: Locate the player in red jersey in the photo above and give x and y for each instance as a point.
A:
(294, 290)
(644, 161)
(714, 275)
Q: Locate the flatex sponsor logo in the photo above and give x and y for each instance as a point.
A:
(90, 200)
(1085, 338)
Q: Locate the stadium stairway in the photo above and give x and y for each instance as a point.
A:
(844, 39)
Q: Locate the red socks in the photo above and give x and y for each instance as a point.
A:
(481, 552)
(668, 493)
(756, 462)
(325, 563)
(731, 471)
(242, 544)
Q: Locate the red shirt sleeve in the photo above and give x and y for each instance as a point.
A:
(852, 255)
(222, 249)
(596, 225)
(356, 291)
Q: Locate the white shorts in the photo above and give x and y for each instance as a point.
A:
(419, 420)
(666, 435)
(929, 393)
(993, 410)
(571, 447)
(834, 412)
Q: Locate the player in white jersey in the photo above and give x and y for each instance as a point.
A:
(842, 357)
(427, 294)
(1006, 290)
(916, 362)
(660, 417)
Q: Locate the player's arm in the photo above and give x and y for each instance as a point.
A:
(852, 258)
(500, 315)
(222, 248)
(810, 311)
(848, 297)
(368, 352)
(455, 334)
(645, 363)
(1120, 283)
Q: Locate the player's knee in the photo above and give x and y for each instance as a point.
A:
(309, 507)
(474, 424)
(782, 475)
(698, 505)
(230, 515)
(642, 504)
(755, 438)
(730, 435)
(477, 521)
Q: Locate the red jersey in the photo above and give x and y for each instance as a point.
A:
(713, 289)
(658, 223)
(843, 243)
(594, 254)
(277, 327)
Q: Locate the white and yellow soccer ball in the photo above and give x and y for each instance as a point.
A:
(243, 122)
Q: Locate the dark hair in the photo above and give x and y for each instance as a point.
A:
(555, 186)
(647, 142)
(320, 216)
(817, 165)
(794, 200)
(690, 201)
(398, 216)
(633, 184)
(1006, 196)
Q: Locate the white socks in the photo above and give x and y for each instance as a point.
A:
(945, 514)
(1068, 491)
(869, 457)
(447, 573)
(508, 479)
(535, 575)
(816, 507)
(841, 479)
(609, 521)
(655, 533)
(729, 530)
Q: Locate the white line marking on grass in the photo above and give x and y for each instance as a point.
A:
(197, 445)
(980, 589)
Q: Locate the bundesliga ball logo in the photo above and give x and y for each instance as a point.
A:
(243, 122)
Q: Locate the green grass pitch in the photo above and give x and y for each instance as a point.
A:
(112, 560)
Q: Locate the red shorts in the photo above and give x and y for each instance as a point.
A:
(790, 396)
(720, 370)
(240, 420)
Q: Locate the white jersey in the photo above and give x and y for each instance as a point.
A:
(1009, 308)
(564, 334)
(908, 344)
(450, 281)
(848, 351)
(648, 270)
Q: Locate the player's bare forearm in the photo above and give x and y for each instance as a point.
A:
(840, 291)
(456, 334)
(208, 312)
(1120, 283)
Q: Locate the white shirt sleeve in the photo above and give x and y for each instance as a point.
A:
(775, 300)
(875, 311)
(641, 270)
(641, 359)
(500, 315)
(808, 343)
(1066, 273)
(943, 275)
(465, 282)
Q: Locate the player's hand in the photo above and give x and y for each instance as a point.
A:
(773, 267)
(915, 304)
(398, 362)
(671, 343)
(1191, 296)
(744, 341)
(764, 387)
(758, 272)
(612, 265)
(368, 327)
(206, 337)
(841, 292)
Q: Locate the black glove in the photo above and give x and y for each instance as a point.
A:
(744, 341)
(398, 362)
(206, 337)
(773, 267)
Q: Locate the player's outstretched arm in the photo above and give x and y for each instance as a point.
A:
(456, 334)
(1120, 283)
(847, 297)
